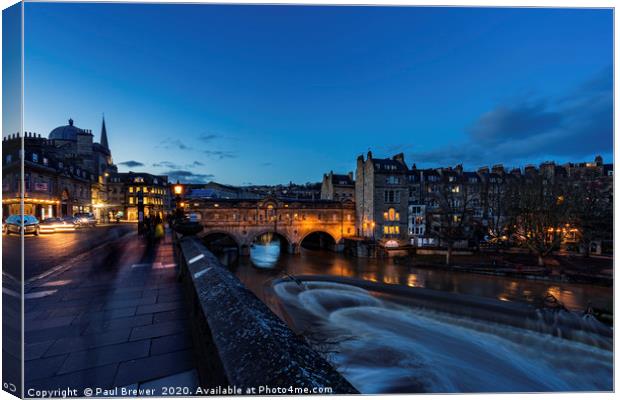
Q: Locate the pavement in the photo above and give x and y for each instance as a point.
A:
(46, 251)
(116, 318)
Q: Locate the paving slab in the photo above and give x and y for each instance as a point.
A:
(107, 325)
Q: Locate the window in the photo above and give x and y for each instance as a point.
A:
(9, 158)
(130, 189)
(138, 179)
(391, 196)
(393, 180)
(35, 157)
(456, 189)
(131, 200)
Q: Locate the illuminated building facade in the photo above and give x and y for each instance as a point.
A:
(125, 188)
(68, 173)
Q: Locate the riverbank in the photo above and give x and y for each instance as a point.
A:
(558, 268)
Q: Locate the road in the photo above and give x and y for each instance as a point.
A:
(46, 251)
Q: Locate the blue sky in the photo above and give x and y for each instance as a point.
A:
(268, 94)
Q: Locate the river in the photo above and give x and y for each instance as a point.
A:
(267, 263)
(388, 344)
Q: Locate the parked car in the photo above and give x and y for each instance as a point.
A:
(51, 225)
(30, 225)
(86, 219)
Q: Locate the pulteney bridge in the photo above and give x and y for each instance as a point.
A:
(292, 220)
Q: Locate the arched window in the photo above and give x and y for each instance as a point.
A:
(391, 215)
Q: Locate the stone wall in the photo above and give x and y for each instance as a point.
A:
(239, 340)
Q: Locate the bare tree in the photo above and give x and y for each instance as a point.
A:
(539, 213)
(452, 219)
(497, 199)
(591, 209)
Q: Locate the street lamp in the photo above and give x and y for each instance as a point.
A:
(178, 189)
(178, 192)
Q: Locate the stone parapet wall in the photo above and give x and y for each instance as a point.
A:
(240, 342)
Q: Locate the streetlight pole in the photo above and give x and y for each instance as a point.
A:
(178, 192)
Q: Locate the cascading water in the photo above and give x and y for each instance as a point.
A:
(382, 346)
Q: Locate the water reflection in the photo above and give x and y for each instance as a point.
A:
(265, 255)
(267, 262)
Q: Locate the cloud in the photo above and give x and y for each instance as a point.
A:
(515, 121)
(169, 143)
(208, 137)
(188, 176)
(219, 154)
(131, 163)
(166, 164)
(266, 164)
(570, 127)
(197, 164)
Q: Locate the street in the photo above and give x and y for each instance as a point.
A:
(46, 251)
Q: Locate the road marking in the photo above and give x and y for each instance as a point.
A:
(198, 257)
(11, 292)
(141, 265)
(173, 265)
(38, 295)
(57, 283)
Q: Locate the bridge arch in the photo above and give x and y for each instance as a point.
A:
(255, 235)
(319, 238)
(214, 232)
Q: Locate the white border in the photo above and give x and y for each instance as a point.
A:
(480, 3)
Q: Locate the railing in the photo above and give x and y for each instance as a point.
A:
(239, 341)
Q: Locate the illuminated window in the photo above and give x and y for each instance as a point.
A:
(386, 229)
(131, 200)
(391, 215)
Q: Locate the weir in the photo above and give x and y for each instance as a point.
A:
(404, 340)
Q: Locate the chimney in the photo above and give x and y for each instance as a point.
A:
(369, 155)
(598, 160)
(350, 175)
(400, 157)
(498, 169)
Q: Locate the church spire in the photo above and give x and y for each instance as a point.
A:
(104, 134)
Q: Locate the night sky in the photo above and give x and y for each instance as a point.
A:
(270, 94)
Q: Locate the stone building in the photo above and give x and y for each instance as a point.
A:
(53, 185)
(63, 174)
(68, 173)
(125, 188)
(381, 194)
(338, 187)
(398, 206)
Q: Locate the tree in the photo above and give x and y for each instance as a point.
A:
(452, 219)
(539, 213)
(591, 209)
(497, 202)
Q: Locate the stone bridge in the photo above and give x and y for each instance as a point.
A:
(292, 220)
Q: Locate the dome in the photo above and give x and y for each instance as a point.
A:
(66, 132)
